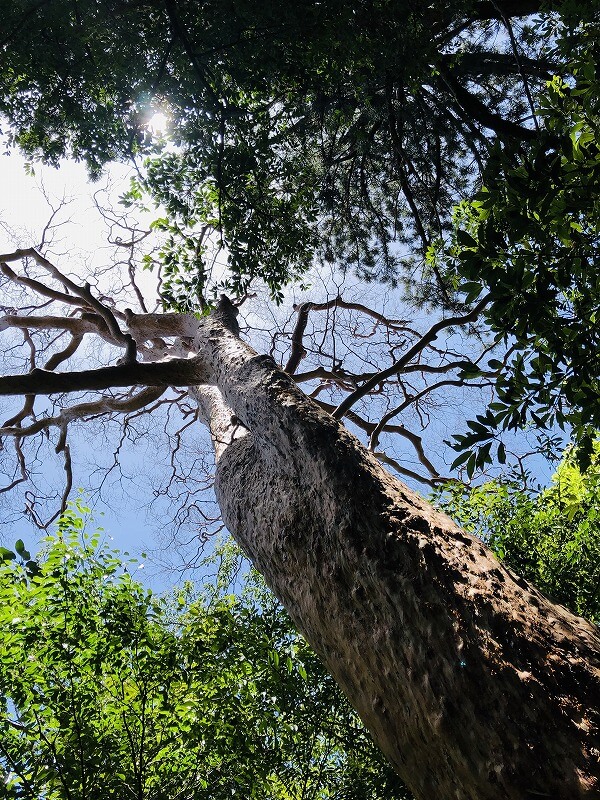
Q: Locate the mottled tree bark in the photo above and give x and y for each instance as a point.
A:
(473, 684)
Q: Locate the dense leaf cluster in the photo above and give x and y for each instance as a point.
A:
(530, 238)
(356, 134)
(552, 539)
(109, 691)
(341, 131)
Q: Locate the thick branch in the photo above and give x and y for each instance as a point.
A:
(176, 372)
(36, 286)
(75, 325)
(298, 351)
(491, 63)
(85, 293)
(57, 359)
(473, 106)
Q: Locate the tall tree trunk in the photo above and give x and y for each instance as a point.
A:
(473, 683)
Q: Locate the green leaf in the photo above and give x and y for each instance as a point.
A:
(460, 460)
(465, 239)
(20, 548)
(501, 455)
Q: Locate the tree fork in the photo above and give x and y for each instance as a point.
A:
(473, 683)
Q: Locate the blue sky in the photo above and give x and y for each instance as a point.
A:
(23, 213)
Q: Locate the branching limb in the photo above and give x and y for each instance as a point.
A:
(415, 440)
(85, 294)
(36, 286)
(23, 475)
(95, 408)
(341, 378)
(492, 63)
(412, 400)
(478, 110)
(417, 348)
(298, 351)
(406, 472)
(78, 326)
(63, 355)
(23, 413)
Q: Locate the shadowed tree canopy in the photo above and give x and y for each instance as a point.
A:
(320, 132)
(342, 130)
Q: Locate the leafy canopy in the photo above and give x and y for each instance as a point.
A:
(341, 131)
(109, 691)
(357, 134)
(530, 238)
(552, 539)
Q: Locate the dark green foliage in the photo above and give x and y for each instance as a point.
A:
(530, 238)
(108, 691)
(552, 539)
(347, 133)
(337, 131)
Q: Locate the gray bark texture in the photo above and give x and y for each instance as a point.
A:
(473, 684)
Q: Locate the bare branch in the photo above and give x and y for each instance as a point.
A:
(58, 358)
(68, 482)
(78, 326)
(37, 286)
(173, 372)
(412, 400)
(24, 412)
(368, 427)
(85, 293)
(22, 468)
(478, 110)
(399, 365)
(298, 352)
(408, 473)
(95, 408)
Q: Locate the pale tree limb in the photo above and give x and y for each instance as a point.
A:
(23, 413)
(37, 286)
(96, 408)
(224, 426)
(58, 358)
(85, 293)
(77, 326)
